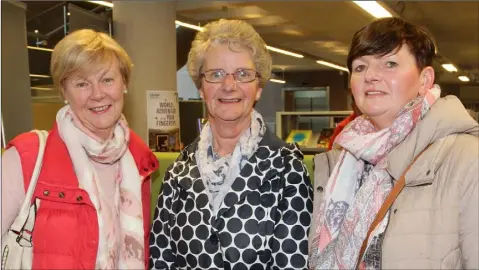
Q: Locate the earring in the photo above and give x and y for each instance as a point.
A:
(125, 91)
(65, 101)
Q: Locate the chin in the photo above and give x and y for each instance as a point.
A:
(104, 125)
(374, 110)
(229, 118)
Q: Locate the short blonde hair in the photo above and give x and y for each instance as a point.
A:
(238, 35)
(85, 51)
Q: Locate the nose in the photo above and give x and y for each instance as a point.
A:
(372, 74)
(229, 84)
(97, 92)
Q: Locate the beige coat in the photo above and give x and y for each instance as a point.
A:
(434, 221)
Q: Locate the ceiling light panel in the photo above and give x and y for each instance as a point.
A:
(449, 67)
(331, 65)
(374, 9)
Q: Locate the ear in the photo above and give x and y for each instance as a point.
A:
(259, 91)
(427, 80)
(62, 92)
(202, 94)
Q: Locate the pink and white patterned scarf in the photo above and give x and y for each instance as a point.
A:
(358, 186)
(121, 233)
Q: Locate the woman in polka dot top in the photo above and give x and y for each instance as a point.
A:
(238, 197)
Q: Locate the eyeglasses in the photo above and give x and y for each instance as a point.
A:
(240, 75)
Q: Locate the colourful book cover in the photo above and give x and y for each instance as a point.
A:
(301, 137)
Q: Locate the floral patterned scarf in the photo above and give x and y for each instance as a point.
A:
(217, 172)
(120, 246)
(357, 188)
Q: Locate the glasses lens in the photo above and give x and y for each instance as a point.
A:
(215, 75)
(245, 75)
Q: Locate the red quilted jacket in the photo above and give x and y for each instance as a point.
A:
(65, 235)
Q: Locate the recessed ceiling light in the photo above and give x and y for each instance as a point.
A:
(39, 76)
(324, 63)
(102, 3)
(373, 8)
(277, 81)
(463, 78)
(191, 26)
(40, 49)
(449, 67)
(271, 48)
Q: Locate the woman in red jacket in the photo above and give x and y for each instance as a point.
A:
(94, 186)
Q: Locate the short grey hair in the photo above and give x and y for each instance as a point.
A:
(239, 35)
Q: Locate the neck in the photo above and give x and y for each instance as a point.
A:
(227, 133)
(381, 124)
(105, 134)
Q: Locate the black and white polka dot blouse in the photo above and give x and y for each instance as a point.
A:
(262, 223)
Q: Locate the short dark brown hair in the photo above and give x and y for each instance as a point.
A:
(385, 35)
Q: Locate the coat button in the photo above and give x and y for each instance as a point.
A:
(79, 198)
(61, 195)
(319, 189)
(46, 192)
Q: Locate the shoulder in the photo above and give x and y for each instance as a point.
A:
(327, 160)
(137, 144)
(457, 149)
(189, 150)
(25, 146)
(324, 164)
(141, 153)
(467, 144)
(276, 146)
(272, 141)
(26, 140)
(464, 152)
(182, 165)
(454, 161)
(21, 155)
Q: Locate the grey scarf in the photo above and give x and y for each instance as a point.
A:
(218, 173)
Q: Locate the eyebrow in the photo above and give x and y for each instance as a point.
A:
(240, 68)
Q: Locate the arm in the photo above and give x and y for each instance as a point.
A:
(161, 253)
(13, 191)
(295, 208)
(469, 217)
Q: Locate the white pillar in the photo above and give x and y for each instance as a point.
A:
(146, 29)
(16, 93)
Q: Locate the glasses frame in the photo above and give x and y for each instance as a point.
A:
(257, 75)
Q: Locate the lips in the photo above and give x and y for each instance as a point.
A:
(100, 109)
(374, 93)
(229, 100)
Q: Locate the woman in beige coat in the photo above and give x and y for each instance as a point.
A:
(433, 223)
